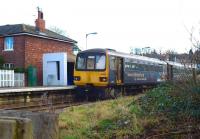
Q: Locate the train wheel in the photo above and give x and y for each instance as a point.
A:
(113, 92)
(107, 93)
(124, 91)
(101, 93)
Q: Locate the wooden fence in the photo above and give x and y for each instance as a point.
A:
(10, 79)
(19, 79)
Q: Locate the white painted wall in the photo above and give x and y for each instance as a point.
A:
(50, 76)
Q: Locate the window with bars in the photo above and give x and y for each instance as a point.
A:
(8, 65)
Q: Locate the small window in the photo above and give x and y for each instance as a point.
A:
(91, 62)
(8, 65)
(81, 62)
(8, 43)
(100, 61)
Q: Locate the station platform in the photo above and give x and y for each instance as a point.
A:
(12, 90)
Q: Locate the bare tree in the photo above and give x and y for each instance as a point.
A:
(194, 37)
(194, 33)
(57, 30)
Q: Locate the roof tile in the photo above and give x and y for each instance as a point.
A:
(22, 28)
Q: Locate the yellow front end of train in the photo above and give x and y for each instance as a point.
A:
(90, 78)
(91, 69)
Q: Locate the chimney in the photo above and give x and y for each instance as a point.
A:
(40, 22)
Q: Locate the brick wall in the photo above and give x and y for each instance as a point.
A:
(29, 50)
(17, 55)
(36, 47)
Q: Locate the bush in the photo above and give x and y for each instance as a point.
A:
(20, 70)
(176, 101)
(1, 61)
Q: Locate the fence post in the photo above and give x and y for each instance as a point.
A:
(194, 74)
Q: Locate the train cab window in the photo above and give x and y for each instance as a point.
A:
(90, 62)
(100, 62)
(81, 62)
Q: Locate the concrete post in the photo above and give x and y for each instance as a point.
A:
(45, 125)
(15, 128)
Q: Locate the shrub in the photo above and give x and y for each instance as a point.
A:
(20, 70)
(1, 61)
(176, 101)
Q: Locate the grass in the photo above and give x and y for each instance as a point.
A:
(100, 120)
(170, 110)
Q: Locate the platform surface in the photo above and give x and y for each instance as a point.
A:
(34, 89)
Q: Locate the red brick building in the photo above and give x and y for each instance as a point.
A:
(24, 45)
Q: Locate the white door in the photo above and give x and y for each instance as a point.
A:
(52, 73)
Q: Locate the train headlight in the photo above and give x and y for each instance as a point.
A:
(103, 79)
(77, 78)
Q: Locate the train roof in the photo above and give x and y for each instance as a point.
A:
(182, 65)
(125, 55)
(175, 64)
(137, 57)
(100, 50)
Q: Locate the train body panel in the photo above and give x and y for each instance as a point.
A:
(177, 71)
(138, 70)
(143, 72)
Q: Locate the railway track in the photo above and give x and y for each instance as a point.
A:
(41, 102)
(45, 107)
(44, 102)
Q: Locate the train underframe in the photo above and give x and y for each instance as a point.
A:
(91, 92)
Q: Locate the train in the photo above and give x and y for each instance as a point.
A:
(106, 72)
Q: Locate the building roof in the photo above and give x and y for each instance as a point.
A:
(22, 29)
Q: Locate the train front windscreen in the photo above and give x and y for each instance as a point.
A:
(91, 62)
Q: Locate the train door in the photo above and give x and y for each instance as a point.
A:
(119, 64)
(116, 70)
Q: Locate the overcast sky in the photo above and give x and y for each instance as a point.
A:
(120, 24)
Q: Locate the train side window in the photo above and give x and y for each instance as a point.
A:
(146, 67)
(90, 62)
(160, 68)
(157, 68)
(140, 67)
(152, 67)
